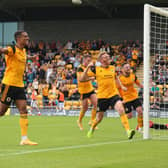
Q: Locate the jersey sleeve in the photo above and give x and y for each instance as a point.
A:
(10, 51)
(137, 80)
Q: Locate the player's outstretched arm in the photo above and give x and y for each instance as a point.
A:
(3, 51)
(138, 83)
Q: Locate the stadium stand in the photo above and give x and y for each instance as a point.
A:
(57, 63)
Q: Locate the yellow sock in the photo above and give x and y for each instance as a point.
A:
(94, 124)
(81, 115)
(124, 121)
(140, 121)
(93, 115)
(23, 124)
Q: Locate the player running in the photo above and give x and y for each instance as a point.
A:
(130, 95)
(12, 83)
(107, 92)
(86, 91)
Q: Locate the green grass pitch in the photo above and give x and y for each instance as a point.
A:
(63, 145)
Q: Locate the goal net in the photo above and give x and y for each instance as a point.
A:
(155, 95)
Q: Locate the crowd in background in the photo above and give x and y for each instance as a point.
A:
(54, 69)
(159, 81)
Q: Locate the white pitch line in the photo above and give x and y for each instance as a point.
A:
(66, 148)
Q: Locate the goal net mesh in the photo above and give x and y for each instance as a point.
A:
(158, 74)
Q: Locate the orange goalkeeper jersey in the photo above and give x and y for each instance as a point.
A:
(15, 67)
(131, 93)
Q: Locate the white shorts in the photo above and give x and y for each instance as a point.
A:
(61, 104)
(33, 103)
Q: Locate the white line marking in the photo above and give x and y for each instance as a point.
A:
(66, 147)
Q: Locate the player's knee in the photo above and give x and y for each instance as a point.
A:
(129, 115)
(2, 113)
(23, 111)
(94, 103)
(121, 110)
(139, 111)
(85, 108)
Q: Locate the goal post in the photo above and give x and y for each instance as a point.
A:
(155, 36)
(146, 70)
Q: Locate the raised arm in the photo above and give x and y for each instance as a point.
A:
(120, 84)
(137, 82)
(3, 50)
(84, 76)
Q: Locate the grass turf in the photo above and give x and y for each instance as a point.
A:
(63, 145)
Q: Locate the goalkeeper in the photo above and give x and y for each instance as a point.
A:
(158, 126)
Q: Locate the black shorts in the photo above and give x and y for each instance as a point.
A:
(132, 105)
(9, 93)
(103, 104)
(87, 95)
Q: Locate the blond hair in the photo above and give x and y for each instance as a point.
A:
(101, 54)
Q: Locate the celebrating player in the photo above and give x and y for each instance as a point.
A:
(12, 83)
(86, 91)
(130, 95)
(107, 92)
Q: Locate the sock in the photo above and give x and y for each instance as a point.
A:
(140, 121)
(124, 121)
(24, 137)
(81, 115)
(64, 112)
(93, 115)
(24, 125)
(94, 124)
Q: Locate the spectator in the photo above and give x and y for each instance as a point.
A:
(68, 45)
(35, 85)
(42, 74)
(45, 92)
(94, 45)
(49, 72)
(30, 76)
(61, 102)
(34, 103)
(154, 89)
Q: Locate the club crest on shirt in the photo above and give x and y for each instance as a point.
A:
(8, 99)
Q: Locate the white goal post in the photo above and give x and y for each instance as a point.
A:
(148, 9)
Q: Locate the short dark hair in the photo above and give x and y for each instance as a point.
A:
(18, 34)
(86, 56)
(125, 63)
